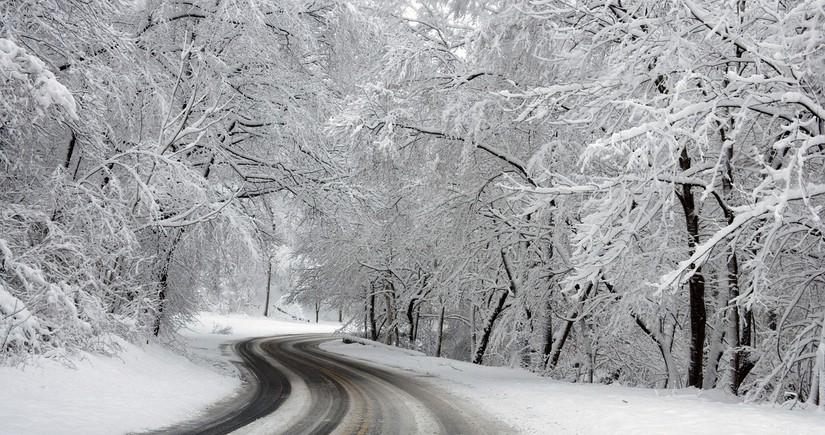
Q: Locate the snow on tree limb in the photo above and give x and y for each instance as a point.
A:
(744, 214)
(39, 82)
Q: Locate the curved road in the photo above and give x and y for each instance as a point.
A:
(300, 389)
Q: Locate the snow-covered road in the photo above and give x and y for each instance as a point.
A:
(336, 394)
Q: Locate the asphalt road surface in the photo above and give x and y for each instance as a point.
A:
(300, 389)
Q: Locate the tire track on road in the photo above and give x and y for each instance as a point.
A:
(345, 396)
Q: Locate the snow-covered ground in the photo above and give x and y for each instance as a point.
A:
(144, 387)
(540, 405)
(151, 387)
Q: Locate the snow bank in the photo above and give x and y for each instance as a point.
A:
(544, 406)
(144, 387)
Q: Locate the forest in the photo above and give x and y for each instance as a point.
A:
(625, 191)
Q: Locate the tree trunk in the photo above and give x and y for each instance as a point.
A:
(740, 317)
(589, 352)
(741, 324)
(416, 324)
(164, 276)
(163, 282)
(548, 330)
(696, 283)
(440, 337)
(498, 307)
(411, 321)
(414, 310)
(371, 313)
(558, 342)
(717, 337)
(663, 342)
(70, 151)
(817, 395)
(392, 322)
(473, 331)
(268, 287)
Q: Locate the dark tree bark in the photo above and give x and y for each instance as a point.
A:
(70, 150)
(163, 283)
(413, 312)
(548, 330)
(557, 342)
(440, 338)
(163, 279)
(371, 313)
(498, 307)
(696, 283)
(392, 322)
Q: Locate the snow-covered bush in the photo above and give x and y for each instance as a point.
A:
(21, 331)
(43, 317)
(55, 294)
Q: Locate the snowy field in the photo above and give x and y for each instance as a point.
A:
(151, 387)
